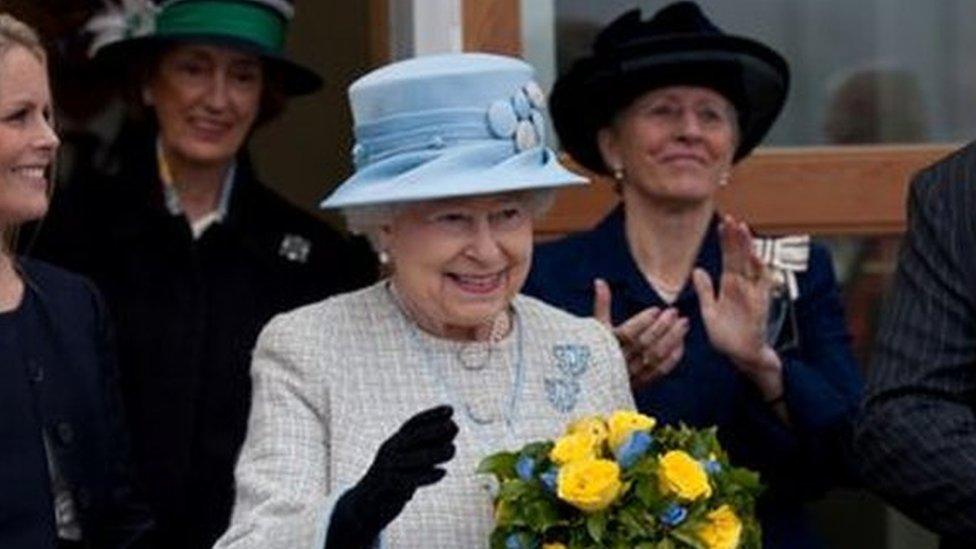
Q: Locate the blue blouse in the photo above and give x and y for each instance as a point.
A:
(821, 378)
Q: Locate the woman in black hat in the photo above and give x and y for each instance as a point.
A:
(195, 254)
(719, 328)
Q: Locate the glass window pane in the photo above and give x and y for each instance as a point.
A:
(873, 71)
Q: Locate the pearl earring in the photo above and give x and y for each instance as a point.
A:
(384, 257)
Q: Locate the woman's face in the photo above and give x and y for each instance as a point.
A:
(27, 138)
(459, 262)
(674, 143)
(206, 100)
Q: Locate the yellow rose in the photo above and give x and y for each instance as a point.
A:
(622, 423)
(723, 529)
(593, 425)
(553, 545)
(680, 474)
(589, 484)
(573, 447)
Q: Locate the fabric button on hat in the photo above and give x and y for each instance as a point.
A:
(449, 125)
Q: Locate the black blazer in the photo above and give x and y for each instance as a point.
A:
(80, 409)
(917, 437)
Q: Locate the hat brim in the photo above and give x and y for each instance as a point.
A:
(473, 170)
(296, 79)
(752, 76)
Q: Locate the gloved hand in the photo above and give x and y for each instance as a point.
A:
(404, 462)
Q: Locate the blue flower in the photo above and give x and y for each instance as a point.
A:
(549, 478)
(634, 448)
(521, 540)
(711, 466)
(673, 515)
(524, 468)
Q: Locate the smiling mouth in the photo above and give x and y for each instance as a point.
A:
(478, 284)
(684, 158)
(36, 173)
(208, 127)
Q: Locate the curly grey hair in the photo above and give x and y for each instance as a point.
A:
(368, 220)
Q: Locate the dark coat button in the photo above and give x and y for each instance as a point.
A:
(66, 433)
(84, 498)
(35, 371)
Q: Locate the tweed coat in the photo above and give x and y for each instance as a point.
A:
(822, 382)
(917, 436)
(333, 380)
(188, 312)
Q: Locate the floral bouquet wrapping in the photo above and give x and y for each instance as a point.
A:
(618, 482)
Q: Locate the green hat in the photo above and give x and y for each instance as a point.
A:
(253, 26)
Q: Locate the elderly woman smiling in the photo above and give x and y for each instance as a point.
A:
(451, 171)
(719, 329)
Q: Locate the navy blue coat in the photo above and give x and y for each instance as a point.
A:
(78, 405)
(821, 378)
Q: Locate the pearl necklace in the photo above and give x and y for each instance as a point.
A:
(439, 377)
(477, 354)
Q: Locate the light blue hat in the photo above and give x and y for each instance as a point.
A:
(446, 126)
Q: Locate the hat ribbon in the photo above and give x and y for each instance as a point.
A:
(518, 119)
(400, 134)
(785, 256)
(252, 22)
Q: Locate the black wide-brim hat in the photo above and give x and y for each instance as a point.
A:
(678, 46)
(258, 27)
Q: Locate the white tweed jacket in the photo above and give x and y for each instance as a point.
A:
(333, 380)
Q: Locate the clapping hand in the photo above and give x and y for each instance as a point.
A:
(652, 340)
(735, 318)
(406, 461)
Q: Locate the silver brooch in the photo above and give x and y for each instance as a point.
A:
(572, 359)
(295, 248)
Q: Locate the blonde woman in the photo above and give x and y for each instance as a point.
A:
(63, 450)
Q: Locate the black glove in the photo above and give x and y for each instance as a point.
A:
(405, 461)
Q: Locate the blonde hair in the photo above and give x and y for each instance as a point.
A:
(15, 33)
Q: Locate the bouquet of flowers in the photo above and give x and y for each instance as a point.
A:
(619, 482)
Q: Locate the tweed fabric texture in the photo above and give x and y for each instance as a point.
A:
(917, 437)
(333, 380)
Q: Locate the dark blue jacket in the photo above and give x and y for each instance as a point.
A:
(821, 377)
(73, 368)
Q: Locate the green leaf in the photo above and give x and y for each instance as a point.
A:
(689, 539)
(635, 522)
(502, 465)
(512, 489)
(596, 525)
(665, 544)
(537, 450)
(541, 514)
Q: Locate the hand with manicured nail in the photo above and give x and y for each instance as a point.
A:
(652, 340)
(406, 461)
(735, 317)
